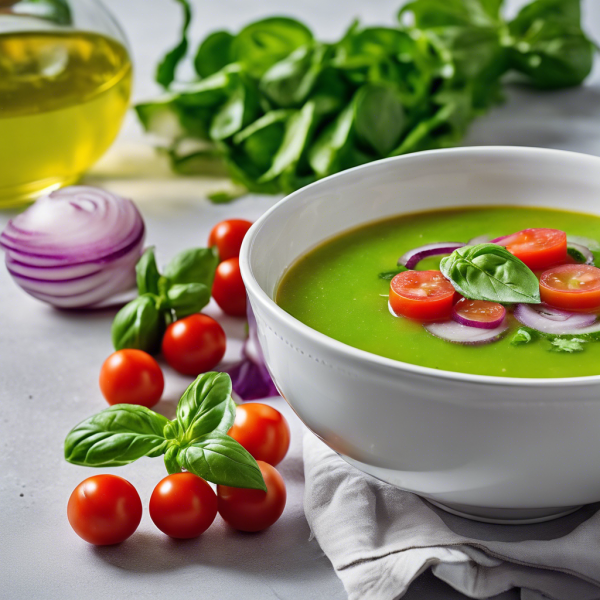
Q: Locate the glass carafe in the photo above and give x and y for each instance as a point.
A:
(65, 83)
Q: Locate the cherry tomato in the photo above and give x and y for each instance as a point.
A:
(104, 509)
(253, 510)
(227, 236)
(422, 295)
(183, 505)
(537, 248)
(228, 288)
(571, 287)
(131, 377)
(262, 430)
(194, 345)
(488, 314)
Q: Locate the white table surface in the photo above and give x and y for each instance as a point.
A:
(49, 360)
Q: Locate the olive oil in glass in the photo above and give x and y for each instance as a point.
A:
(63, 96)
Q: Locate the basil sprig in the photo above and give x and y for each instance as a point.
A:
(490, 272)
(196, 440)
(184, 289)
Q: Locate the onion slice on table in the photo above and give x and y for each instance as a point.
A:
(250, 378)
(553, 320)
(76, 247)
(411, 258)
(478, 313)
(451, 331)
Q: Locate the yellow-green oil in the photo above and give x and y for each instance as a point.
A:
(63, 96)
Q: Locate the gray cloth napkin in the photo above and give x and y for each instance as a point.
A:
(379, 539)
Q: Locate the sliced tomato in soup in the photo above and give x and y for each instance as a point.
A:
(537, 248)
(571, 287)
(422, 295)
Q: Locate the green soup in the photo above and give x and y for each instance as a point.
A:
(336, 290)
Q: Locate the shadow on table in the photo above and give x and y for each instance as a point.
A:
(267, 553)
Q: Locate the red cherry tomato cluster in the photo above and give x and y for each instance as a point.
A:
(193, 345)
(106, 509)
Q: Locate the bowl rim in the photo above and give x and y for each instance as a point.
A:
(389, 364)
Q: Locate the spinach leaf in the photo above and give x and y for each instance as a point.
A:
(550, 46)
(188, 298)
(138, 324)
(490, 272)
(219, 458)
(206, 406)
(297, 134)
(165, 72)
(288, 82)
(147, 274)
(240, 108)
(116, 436)
(196, 265)
(327, 152)
(261, 44)
(379, 117)
(213, 54)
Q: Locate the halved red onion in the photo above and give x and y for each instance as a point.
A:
(584, 251)
(411, 258)
(451, 331)
(552, 320)
(470, 320)
(75, 247)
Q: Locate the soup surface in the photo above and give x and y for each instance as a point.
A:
(336, 290)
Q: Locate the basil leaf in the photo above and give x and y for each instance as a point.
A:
(219, 458)
(146, 273)
(188, 298)
(116, 436)
(196, 265)
(490, 272)
(239, 110)
(165, 72)
(206, 406)
(170, 459)
(138, 325)
(389, 275)
(213, 54)
(522, 336)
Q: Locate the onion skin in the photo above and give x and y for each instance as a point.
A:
(413, 257)
(76, 247)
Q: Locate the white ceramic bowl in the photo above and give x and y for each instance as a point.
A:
(492, 448)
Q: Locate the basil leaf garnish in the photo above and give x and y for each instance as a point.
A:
(116, 436)
(220, 459)
(196, 265)
(146, 273)
(389, 275)
(206, 406)
(138, 325)
(490, 272)
(188, 298)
